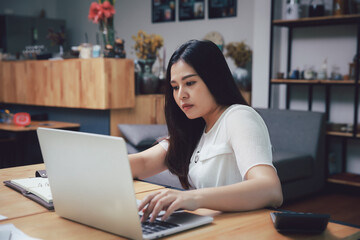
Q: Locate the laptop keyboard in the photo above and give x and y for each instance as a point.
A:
(156, 226)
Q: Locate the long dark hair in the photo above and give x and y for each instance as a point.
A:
(209, 63)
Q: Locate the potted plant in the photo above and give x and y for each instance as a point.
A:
(241, 54)
(146, 48)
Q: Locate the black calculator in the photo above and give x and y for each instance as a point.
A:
(299, 222)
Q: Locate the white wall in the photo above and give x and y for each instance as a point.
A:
(133, 15)
(261, 54)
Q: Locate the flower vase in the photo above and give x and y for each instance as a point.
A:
(108, 34)
(148, 81)
(242, 78)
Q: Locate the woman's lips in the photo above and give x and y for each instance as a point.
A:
(186, 107)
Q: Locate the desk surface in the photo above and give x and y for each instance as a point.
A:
(47, 225)
(13, 204)
(35, 124)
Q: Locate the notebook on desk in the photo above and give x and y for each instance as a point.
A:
(91, 183)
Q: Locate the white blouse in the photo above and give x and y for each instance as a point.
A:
(238, 141)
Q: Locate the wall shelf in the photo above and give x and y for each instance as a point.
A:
(318, 21)
(315, 82)
(328, 84)
(345, 178)
(341, 134)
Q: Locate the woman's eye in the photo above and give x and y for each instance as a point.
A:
(190, 83)
(175, 87)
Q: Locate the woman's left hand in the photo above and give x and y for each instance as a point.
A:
(167, 200)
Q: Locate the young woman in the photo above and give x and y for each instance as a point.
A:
(218, 146)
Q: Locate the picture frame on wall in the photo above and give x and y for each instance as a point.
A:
(191, 9)
(163, 11)
(222, 8)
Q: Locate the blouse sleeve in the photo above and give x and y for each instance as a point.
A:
(249, 139)
(165, 144)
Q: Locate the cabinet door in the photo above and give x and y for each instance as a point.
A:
(149, 109)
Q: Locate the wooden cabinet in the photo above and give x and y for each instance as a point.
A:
(98, 83)
(149, 109)
(343, 177)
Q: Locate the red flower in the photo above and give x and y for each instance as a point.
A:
(98, 12)
(95, 12)
(108, 9)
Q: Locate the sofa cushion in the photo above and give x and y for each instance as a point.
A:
(142, 136)
(165, 178)
(292, 166)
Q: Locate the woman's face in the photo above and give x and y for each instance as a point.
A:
(191, 93)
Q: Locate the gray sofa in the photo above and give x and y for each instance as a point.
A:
(297, 138)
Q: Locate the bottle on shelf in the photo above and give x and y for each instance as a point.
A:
(292, 9)
(322, 73)
(316, 8)
(339, 7)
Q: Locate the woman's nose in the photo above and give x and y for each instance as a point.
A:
(183, 93)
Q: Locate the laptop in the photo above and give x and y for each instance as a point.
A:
(91, 183)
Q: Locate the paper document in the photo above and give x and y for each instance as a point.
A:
(9, 231)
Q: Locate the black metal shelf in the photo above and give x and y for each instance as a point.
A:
(313, 82)
(318, 21)
(353, 19)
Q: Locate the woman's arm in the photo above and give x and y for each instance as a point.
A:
(148, 163)
(261, 189)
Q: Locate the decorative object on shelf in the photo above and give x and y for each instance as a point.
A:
(292, 9)
(241, 54)
(149, 82)
(146, 48)
(309, 73)
(322, 73)
(352, 70)
(216, 38)
(340, 7)
(57, 38)
(103, 13)
(316, 8)
(6, 116)
(22, 119)
(85, 51)
(162, 72)
(280, 75)
(119, 50)
(335, 73)
(295, 74)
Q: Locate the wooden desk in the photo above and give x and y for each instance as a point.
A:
(20, 145)
(242, 225)
(14, 204)
(36, 124)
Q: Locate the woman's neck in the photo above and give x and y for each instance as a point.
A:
(213, 116)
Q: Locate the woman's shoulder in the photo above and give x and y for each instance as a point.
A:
(239, 110)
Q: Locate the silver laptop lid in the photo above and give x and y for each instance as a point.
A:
(81, 168)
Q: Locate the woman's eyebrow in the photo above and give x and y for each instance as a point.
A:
(185, 77)
(188, 76)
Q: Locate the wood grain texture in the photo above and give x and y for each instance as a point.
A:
(36, 124)
(76, 83)
(34, 221)
(149, 109)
